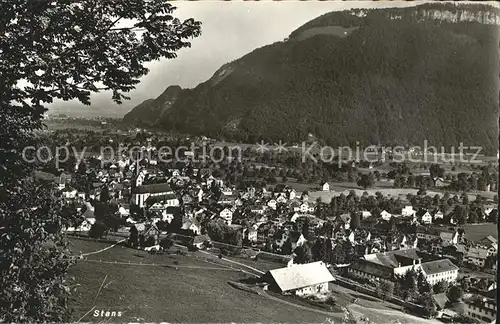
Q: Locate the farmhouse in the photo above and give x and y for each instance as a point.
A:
(300, 279)
(326, 186)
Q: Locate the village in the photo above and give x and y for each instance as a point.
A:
(434, 254)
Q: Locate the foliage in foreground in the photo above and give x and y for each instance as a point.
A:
(64, 49)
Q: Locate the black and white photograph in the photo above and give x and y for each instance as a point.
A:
(249, 161)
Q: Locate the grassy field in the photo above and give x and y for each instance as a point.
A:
(162, 293)
(476, 232)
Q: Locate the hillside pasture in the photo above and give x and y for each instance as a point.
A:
(163, 293)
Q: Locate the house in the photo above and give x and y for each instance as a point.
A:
(325, 186)
(142, 193)
(421, 215)
(168, 214)
(139, 180)
(425, 218)
(272, 204)
(484, 309)
(148, 230)
(439, 270)
(296, 238)
(198, 193)
(85, 225)
(187, 199)
(227, 215)
(490, 243)
(439, 182)
(161, 202)
(386, 265)
(365, 214)
(257, 209)
(408, 211)
(228, 199)
(304, 208)
(200, 241)
(440, 300)
(401, 242)
(346, 219)
(476, 256)
(192, 225)
(69, 193)
(124, 210)
(281, 199)
(448, 235)
(300, 279)
(385, 215)
(438, 215)
(251, 235)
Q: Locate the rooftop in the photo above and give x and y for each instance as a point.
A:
(301, 275)
(153, 188)
(438, 266)
(394, 259)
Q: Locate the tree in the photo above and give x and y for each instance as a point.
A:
(460, 215)
(236, 238)
(303, 254)
(287, 247)
(440, 287)
(61, 50)
(104, 195)
(385, 289)
(133, 239)
(98, 230)
(454, 293)
(354, 221)
(305, 228)
(366, 181)
(427, 302)
(473, 217)
(338, 255)
(423, 285)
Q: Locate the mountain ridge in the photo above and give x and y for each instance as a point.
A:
(375, 80)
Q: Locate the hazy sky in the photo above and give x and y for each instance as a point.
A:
(230, 29)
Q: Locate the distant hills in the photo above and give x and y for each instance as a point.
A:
(381, 76)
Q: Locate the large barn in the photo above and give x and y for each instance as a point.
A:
(299, 279)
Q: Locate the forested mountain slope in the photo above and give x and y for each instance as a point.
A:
(388, 76)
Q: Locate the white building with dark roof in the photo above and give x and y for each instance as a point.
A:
(439, 270)
(386, 266)
(300, 279)
(484, 309)
(141, 193)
